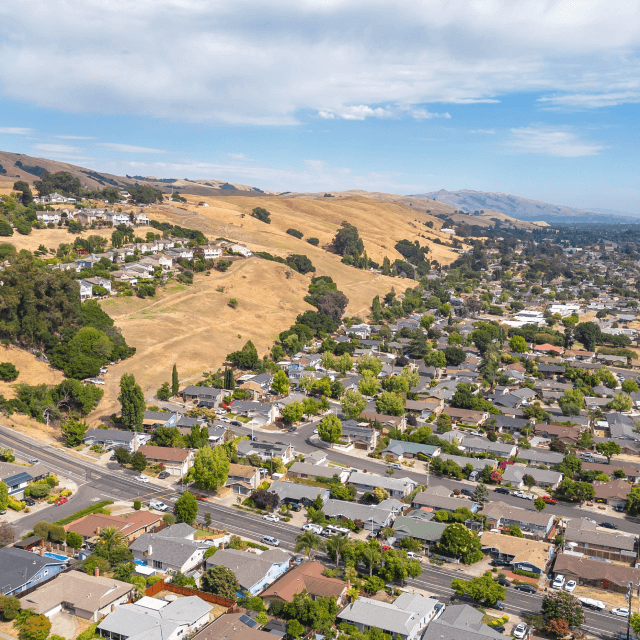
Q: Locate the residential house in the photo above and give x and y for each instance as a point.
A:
(254, 572)
(131, 526)
(474, 444)
(398, 488)
(582, 536)
(613, 493)
(405, 618)
(515, 473)
(155, 419)
(48, 217)
(308, 577)
(259, 385)
(466, 416)
(393, 422)
(260, 413)
(88, 287)
(478, 464)
(205, 396)
(508, 424)
(112, 438)
(233, 626)
(436, 501)
(291, 492)
(306, 470)
(425, 531)
(401, 450)
(174, 460)
(20, 570)
(630, 470)
(208, 251)
(17, 477)
(266, 450)
(170, 550)
(359, 435)
(523, 554)
(243, 478)
(568, 435)
(533, 523)
(596, 573)
(540, 456)
(152, 619)
(87, 597)
(460, 622)
(374, 517)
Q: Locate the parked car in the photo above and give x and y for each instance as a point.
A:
(527, 588)
(503, 582)
(500, 628)
(500, 562)
(385, 547)
(30, 502)
(467, 492)
(254, 438)
(270, 540)
(163, 474)
(292, 429)
(294, 506)
(570, 586)
(414, 556)
(502, 490)
(520, 631)
(608, 525)
(325, 533)
(316, 528)
(589, 519)
(558, 582)
(158, 505)
(142, 479)
(499, 606)
(60, 501)
(340, 530)
(518, 494)
(270, 517)
(549, 500)
(623, 612)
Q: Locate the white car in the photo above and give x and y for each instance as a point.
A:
(558, 582)
(520, 631)
(158, 506)
(589, 520)
(142, 479)
(316, 528)
(518, 494)
(315, 432)
(414, 556)
(394, 465)
(623, 612)
(270, 517)
(274, 542)
(340, 530)
(570, 586)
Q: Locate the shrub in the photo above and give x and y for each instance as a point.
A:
(90, 632)
(35, 628)
(314, 241)
(527, 574)
(233, 303)
(262, 214)
(137, 505)
(10, 607)
(295, 233)
(14, 504)
(8, 372)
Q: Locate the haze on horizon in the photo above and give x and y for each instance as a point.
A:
(536, 98)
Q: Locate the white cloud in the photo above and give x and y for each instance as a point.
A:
(64, 137)
(239, 156)
(128, 148)
(244, 62)
(550, 141)
(16, 131)
(591, 100)
(56, 148)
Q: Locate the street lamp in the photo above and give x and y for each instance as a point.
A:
(428, 463)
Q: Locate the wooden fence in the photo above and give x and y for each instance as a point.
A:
(187, 591)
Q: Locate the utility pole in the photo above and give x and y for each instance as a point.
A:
(629, 595)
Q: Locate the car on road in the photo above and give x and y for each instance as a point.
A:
(608, 525)
(590, 603)
(163, 474)
(414, 556)
(254, 438)
(503, 582)
(499, 606)
(527, 588)
(316, 528)
(394, 465)
(34, 461)
(235, 423)
(30, 502)
(270, 517)
(467, 492)
(142, 479)
(292, 429)
(589, 520)
(570, 586)
(502, 490)
(158, 505)
(549, 500)
(519, 494)
(270, 540)
(520, 631)
(623, 612)
(60, 501)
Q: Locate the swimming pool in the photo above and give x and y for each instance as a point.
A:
(140, 563)
(55, 556)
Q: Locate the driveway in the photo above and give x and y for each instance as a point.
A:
(63, 624)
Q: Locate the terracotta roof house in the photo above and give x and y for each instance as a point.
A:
(87, 597)
(547, 348)
(614, 492)
(306, 576)
(131, 526)
(176, 461)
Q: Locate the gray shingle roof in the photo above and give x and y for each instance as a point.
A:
(460, 622)
(293, 491)
(18, 566)
(249, 568)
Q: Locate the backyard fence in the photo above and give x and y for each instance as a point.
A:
(187, 591)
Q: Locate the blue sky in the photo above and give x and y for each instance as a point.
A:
(538, 98)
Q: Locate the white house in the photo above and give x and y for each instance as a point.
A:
(241, 249)
(48, 216)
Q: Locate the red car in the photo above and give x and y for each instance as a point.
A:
(385, 547)
(549, 500)
(60, 501)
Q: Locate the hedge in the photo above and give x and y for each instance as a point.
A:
(85, 512)
(14, 504)
(527, 574)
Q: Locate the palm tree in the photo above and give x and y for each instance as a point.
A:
(308, 542)
(370, 556)
(338, 545)
(112, 538)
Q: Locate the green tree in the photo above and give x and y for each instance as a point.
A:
(621, 402)
(246, 358)
(220, 581)
(528, 480)
(353, 404)
(74, 540)
(481, 494)
(210, 467)
(457, 541)
(330, 429)
(633, 501)
(443, 423)
(539, 504)
(561, 605)
(10, 607)
(368, 384)
(8, 372)
(36, 627)
(609, 449)
(186, 508)
(122, 455)
(390, 403)
(518, 344)
(369, 363)
(110, 539)
(132, 402)
(515, 531)
(229, 381)
(308, 542)
(295, 629)
(589, 334)
(337, 546)
(262, 214)
(138, 461)
(293, 412)
(280, 383)
(482, 589)
(630, 386)
(175, 383)
(369, 554)
(396, 567)
(164, 392)
(571, 402)
(73, 431)
(4, 496)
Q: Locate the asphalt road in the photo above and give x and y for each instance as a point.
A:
(97, 483)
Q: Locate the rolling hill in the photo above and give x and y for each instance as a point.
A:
(521, 208)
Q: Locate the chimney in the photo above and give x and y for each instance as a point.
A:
(113, 608)
(41, 551)
(96, 572)
(97, 531)
(149, 550)
(348, 584)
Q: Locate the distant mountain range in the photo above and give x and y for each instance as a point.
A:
(524, 208)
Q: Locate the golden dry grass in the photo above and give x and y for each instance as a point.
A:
(32, 371)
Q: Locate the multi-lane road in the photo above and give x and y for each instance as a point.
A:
(96, 482)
